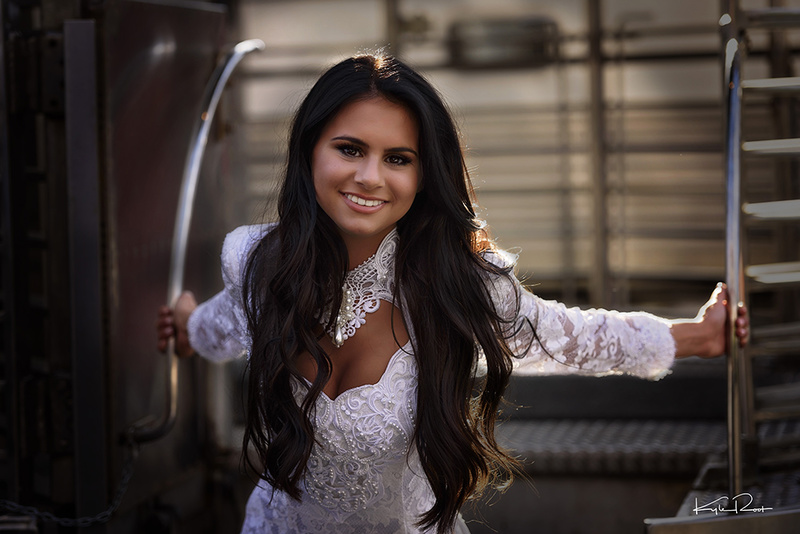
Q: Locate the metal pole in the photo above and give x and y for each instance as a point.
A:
(8, 322)
(393, 27)
(733, 259)
(600, 277)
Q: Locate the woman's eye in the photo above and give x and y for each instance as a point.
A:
(349, 150)
(395, 159)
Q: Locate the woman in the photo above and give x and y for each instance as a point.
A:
(382, 324)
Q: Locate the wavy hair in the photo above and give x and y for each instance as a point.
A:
(441, 272)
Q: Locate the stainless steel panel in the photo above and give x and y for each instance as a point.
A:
(158, 58)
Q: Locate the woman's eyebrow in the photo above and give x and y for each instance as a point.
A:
(357, 141)
(354, 140)
(402, 149)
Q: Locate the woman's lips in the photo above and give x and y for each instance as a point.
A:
(363, 204)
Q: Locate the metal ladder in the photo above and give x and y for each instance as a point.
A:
(751, 215)
(762, 269)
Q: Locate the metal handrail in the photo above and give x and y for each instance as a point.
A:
(145, 431)
(733, 254)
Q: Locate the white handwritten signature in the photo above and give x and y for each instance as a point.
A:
(717, 507)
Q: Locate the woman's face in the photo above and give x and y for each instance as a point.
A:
(366, 170)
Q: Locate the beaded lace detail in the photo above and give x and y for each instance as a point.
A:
(373, 441)
(364, 288)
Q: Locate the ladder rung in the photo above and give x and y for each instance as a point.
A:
(773, 85)
(777, 330)
(771, 211)
(775, 17)
(782, 412)
(789, 349)
(775, 273)
(780, 400)
(773, 147)
(777, 339)
(779, 394)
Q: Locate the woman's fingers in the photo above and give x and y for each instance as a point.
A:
(742, 325)
(716, 310)
(172, 324)
(165, 327)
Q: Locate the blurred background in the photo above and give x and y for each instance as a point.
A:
(595, 134)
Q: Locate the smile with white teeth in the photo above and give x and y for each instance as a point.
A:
(364, 202)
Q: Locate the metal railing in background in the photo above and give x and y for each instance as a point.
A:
(733, 254)
(147, 429)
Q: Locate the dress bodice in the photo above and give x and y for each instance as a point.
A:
(363, 474)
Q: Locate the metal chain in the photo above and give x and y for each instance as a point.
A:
(102, 517)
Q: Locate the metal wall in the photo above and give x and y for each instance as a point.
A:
(157, 59)
(102, 99)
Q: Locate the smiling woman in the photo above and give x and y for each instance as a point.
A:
(366, 172)
(382, 324)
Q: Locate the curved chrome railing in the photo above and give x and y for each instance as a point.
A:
(141, 432)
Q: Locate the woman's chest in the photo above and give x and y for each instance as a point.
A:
(364, 357)
(370, 420)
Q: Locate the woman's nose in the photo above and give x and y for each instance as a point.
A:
(369, 174)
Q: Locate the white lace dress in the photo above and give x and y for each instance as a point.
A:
(364, 474)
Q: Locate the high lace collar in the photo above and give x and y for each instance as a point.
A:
(363, 289)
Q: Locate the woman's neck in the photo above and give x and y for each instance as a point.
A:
(360, 248)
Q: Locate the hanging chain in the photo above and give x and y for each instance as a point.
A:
(102, 517)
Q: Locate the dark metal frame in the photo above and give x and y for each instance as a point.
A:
(86, 267)
(8, 379)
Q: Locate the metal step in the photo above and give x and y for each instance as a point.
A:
(776, 17)
(612, 446)
(772, 85)
(778, 433)
(773, 147)
(779, 210)
(775, 273)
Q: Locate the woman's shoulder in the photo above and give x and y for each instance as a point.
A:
(237, 246)
(499, 257)
(244, 237)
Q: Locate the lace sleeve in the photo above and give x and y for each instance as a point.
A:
(551, 338)
(218, 327)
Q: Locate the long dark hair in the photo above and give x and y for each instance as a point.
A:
(441, 272)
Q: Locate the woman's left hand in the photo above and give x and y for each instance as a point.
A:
(707, 334)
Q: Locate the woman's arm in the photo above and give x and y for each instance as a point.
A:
(217, 328)
(562, 340)
(706, 335)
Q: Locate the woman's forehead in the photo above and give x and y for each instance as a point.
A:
(376, 117)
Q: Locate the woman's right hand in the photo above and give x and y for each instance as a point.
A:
(172, 323)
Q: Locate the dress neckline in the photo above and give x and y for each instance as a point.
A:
(363, 289)
(405, 349)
